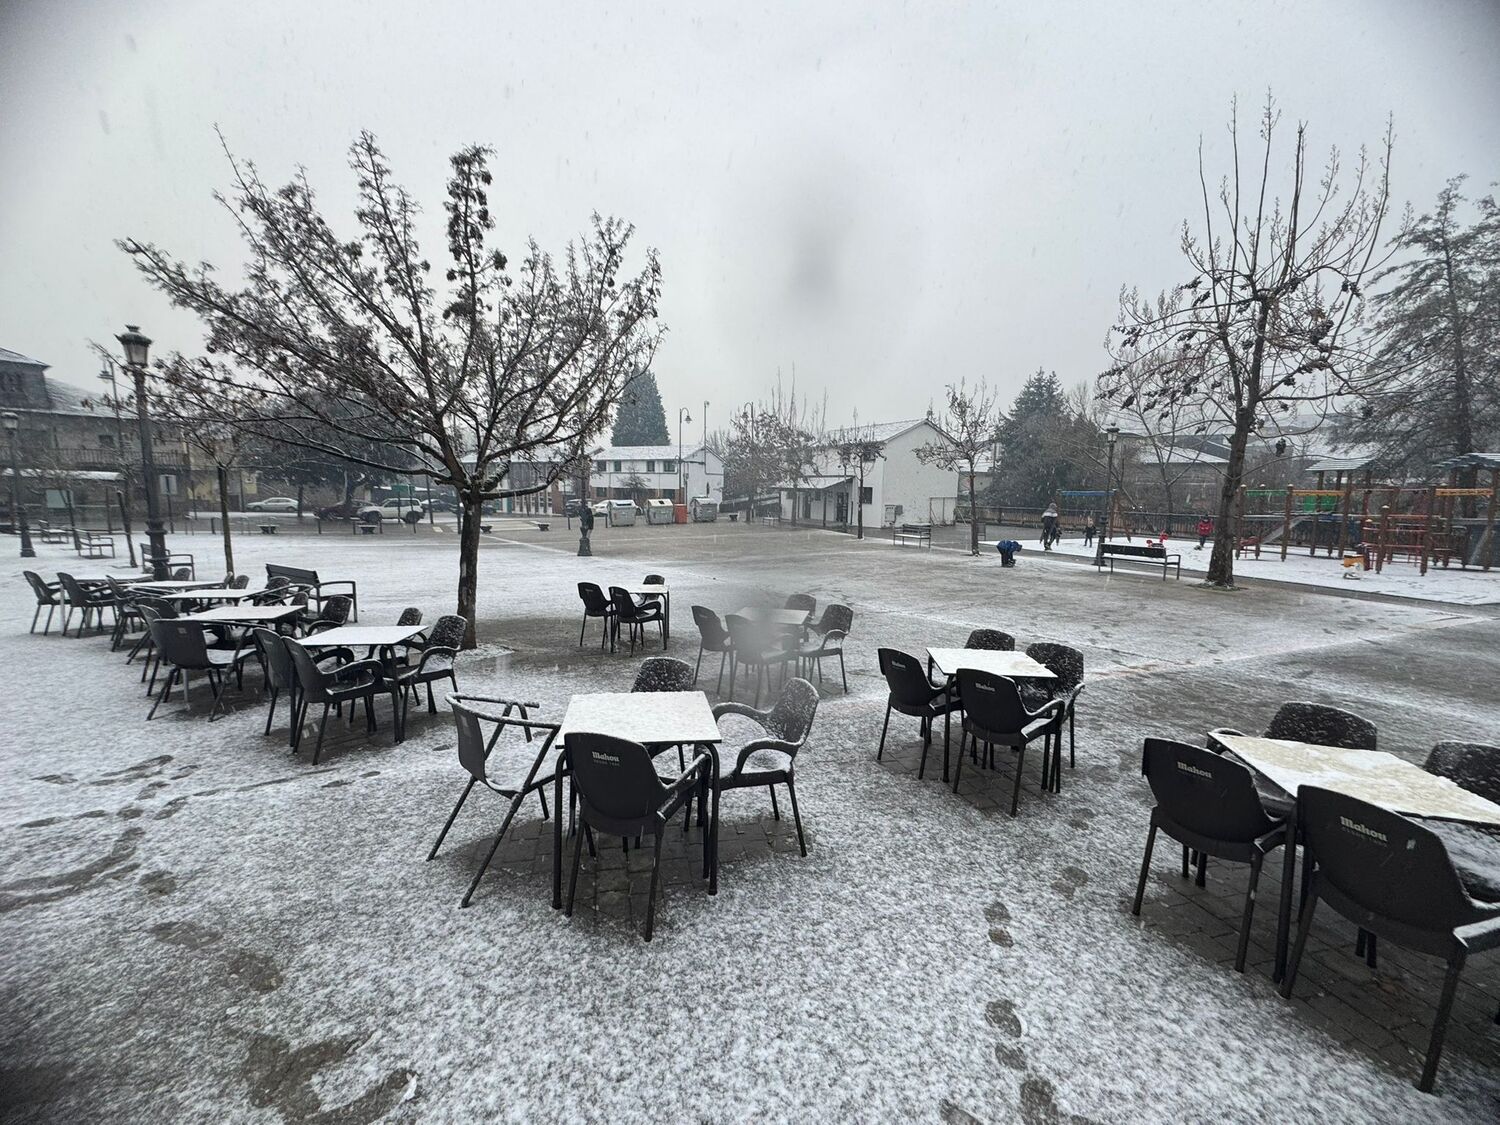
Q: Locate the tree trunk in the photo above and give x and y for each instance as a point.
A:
(468, 561)
(859, 505)
(224, 519)
(1221, 563)
(973, 516)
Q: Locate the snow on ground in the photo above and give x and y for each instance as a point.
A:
(201, 927)
(1398, 578)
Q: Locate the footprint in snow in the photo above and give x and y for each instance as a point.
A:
(1039, 1104)
(1001, 1015)
(997, 914)
(1069, 880)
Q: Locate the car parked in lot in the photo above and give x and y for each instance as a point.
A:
(396, 509)
(273, 504)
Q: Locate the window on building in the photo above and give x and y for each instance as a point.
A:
(599, 466)
(617, 466)
(867, 495)
(106, 441)
(669, 466)
(651, 466)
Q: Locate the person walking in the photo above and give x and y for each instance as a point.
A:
(1049, 527)
(1205, 529)
(1088, 531)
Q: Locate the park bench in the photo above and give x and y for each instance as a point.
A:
(93, 544)
(267, 528)
(175, 561)
(1146, 552)
(918, 533)
(317, 588)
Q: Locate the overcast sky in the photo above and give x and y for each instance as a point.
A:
(884, 197)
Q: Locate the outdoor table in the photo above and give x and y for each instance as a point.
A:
(650, 718)
(1013, 665)
(243, 615)
(781, 618)
(1369, 775)
(211, 594)
(665, 594)
(172, 584)
(385, 637)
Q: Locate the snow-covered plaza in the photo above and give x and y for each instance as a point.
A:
(200, 926)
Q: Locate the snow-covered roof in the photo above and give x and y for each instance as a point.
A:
(644, 452)
(8, 356)
(1472, 461)
(873, 431)
(1175, 456)
(1340, 464)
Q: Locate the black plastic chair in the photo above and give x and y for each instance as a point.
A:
(1393, 879)
(47, 594)
(151, 610)
(635, 617)
(182, 647)
(758, 647)
(664, 673)
(1208, 803)
(1323, 725)
(1066, 666)
(333, 614)
(474, 751)
(770, 761)
(995, 716)
(411, 615)
(91, 603)
(281, 676)
(912, 694)
(991, 639)
(712, 637)
(127, 617)
(801, 601)
(238, 581)
(1472, 765)
(595, 604)
(333, 687)
(620, 793)
(836, 622)
(436, 662)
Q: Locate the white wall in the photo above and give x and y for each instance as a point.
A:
(900, 478)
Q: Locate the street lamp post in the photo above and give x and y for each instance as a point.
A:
(17, 509)
(136, 348)
(108, 375)
(682, 416)
(1111, 435)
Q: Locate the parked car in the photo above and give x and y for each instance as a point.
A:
(273, 504)
(345, 511)
(394, 509)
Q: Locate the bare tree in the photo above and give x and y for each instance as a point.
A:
(1268, 322)
(334, 343)
(857, 449)
(968, 426)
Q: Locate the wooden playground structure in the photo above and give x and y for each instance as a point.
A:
(1415, 522)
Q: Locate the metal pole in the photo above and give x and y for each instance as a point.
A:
(155, 533)
(17, 509)
(1109, 498)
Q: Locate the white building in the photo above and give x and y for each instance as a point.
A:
(650, 471)
(898, 488)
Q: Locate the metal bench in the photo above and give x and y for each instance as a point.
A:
(918, 533)
(267, 528)
(1145, 552)
(93, 544)
(317, 588)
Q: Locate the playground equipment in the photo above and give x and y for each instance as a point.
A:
(1417, 522)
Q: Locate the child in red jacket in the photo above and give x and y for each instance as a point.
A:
(1205, 529)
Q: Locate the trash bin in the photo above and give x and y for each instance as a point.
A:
(659, 511)
(679, 513)
(705, 509)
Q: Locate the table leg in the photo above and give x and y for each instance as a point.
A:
(557, 835)
(666, 618)
(1284, 918)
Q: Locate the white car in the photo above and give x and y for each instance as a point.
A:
(393, 509)
(273, 504)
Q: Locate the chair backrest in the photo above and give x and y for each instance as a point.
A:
(792, 716)
(710, 627)
(1204, 792)
(1325, 726)
(837, 618)
(624, 604)
(801, 601)
(277, 581)
(471, 741)
(594, 601)
(653, 580)
(411, 615)
(664, 673)
(310, 677)
(182, 573)
(448, 631)
(160, 606)
(72, 589)
(273, 653)
(1065, 663)
(615, 780)
(1472, 765)
(240, 582)
(991, 639)
(44, 596)
(991, 702)
(904, 677)
(180, 643)
(117, 588)
(1383, 862)
(336, 609)
(749, 638)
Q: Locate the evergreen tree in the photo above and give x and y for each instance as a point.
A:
(1039, 444)
(641, 420)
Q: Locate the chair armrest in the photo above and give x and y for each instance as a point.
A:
(722, 709)
(1214, 744)
(1050, 711)
(690, 775)
(461, 698)
(436, 650)
(1479, 936)
(788, 748)
(346, 654)
(358, 666)
(321, 627)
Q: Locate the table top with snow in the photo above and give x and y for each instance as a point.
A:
(242, 615)
(212, 593)
(774, 616)
(643, 716)
(1370, 775)
(376, 635)
(1017, 665)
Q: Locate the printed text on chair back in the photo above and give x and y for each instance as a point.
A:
(1204, 792)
